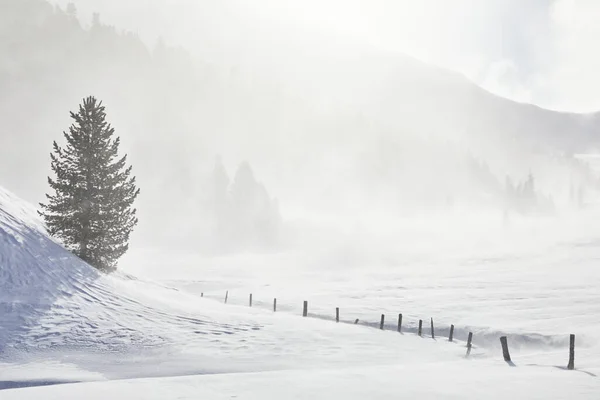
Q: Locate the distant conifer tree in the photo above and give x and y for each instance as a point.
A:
(91, 208)
(72, 10)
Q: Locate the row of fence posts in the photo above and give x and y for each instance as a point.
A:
(503, 339)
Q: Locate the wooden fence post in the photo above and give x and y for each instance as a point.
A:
(250, 300)
(420, 332)
(382, 321)
(469, 345)
(337, 314)
(305, 309)
(274, 304)
(226, 296)
(432, 332)
(399, 323)
(505, 353)
(451, 333)
(571, 365)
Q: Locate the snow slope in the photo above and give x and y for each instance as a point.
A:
(62, 322)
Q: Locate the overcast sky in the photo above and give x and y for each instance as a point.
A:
(538, 51)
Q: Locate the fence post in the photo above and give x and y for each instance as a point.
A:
(337, 314)
(399, 323)
(202, 294)
(571, 365)
(432, 332)
(382, 321)
(274, 304)
(469, 341)
(226, 296)
(505, 352)
(250, 300)
(356, 321)
(305, 309)
(420, 332)
(451, 333)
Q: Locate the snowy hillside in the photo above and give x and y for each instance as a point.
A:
(62, 322)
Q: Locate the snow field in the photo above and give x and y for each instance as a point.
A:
(127, 337)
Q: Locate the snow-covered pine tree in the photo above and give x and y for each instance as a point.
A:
(91, 208)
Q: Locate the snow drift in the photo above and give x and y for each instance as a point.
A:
(34, 272)
(55, 306)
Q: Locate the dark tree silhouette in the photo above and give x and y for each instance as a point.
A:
(91, 208)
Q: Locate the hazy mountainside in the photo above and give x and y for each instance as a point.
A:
(344, 69)
(412, 97)
(321, 121)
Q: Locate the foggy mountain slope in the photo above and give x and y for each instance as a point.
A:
(407, 96)
(306, 111)
(267, 38)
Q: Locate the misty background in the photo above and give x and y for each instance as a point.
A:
(248, 124)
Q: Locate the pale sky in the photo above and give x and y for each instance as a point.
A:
(537, 51)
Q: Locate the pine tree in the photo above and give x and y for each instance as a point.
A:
(91, 208)
(72, 11)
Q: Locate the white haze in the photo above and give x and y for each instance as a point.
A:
(346, 131)
(538, 51)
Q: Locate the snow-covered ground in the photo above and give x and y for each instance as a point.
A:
(534, 281)
(480, 379)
